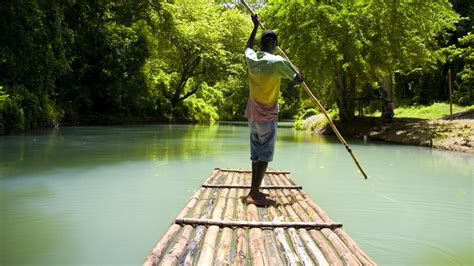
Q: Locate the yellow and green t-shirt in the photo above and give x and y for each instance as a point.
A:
(265, 73)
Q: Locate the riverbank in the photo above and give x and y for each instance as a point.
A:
(455, 135)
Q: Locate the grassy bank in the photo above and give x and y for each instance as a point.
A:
(434, 111)
(413, 125)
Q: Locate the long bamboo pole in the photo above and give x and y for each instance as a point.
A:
(206, 256)
(352, 245)
(315, 100)
(348, 241)
(250, 171)
(330, 255)
(158, 250)
(269, 237)
(174, 253)
(223, 249)
(287, 253)
(341, 247)
(308, 214)
(241, 239)
(255, 224)
(192, 247)
(248, 186)
(295, 238)
(256, 240)
(305, 204)
(315, 253)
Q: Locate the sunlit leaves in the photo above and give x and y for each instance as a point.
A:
(353, 43)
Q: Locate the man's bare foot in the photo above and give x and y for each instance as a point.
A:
(260, 201)
(263, 195)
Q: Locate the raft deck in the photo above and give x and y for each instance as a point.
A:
(217, 227)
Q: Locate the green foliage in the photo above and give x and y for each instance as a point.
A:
(463, 56)
(198, 47)
(109, 50)
(318, 123)
(428, 85)
(182, 60)
(33, 55)
(347, 44)
(11, 116)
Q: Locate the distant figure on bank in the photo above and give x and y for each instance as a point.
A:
(265, 72)
(388, 113)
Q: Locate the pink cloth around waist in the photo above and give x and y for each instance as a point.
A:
(261, 113)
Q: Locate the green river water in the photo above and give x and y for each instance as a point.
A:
(105, 195)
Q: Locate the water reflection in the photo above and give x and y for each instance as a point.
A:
(89, 147)
(84, 195)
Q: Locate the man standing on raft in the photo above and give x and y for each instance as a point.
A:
(265, 73)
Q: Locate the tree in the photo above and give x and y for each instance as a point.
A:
(33, 55)
(198, 45)
(109, 49)
(349, 44)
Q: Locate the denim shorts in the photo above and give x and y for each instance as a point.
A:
(262, 140)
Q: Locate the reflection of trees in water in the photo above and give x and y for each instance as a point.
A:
(87, 147)
(183, 142)
(461, 162)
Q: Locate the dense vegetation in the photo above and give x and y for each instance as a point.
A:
(98, 61)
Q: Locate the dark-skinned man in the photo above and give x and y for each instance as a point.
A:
(265, 73)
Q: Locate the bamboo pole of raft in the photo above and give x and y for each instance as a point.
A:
(346, 239)
(269, 235)
(157, 251)
(208, 248)
(326, 237)
(172, 257)
(256, 224)
(308, 214)
(248, 186)
(316, 208)
(289, 255)
(314, 100)
(341, 248)
(330, 256)
(249, 171)
(356, 250)
(283, 180)
(269, 238)
(174, 254)
(223, 249)
(241, 241)
(192, 248)
(256, 241)
(213, 177)
(287, 211)
(315, 252)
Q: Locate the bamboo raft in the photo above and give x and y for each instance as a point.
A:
(217, 227)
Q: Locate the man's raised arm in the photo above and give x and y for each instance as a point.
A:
(254, 31)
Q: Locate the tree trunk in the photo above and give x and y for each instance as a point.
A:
(188, 72)
(345, 87)
(387, 87)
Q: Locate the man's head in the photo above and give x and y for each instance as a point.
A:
(269, 41)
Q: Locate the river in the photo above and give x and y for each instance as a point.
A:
(105, 195)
